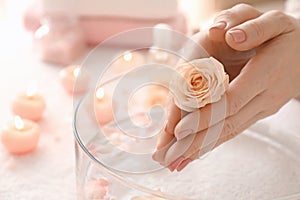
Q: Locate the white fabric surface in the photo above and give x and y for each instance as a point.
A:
(49, 172)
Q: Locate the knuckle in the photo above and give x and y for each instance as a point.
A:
(242, 6)
(225, 15)
(203, 122)
(283, 19)
(272, 111)
(194, 148)
(229, 127)
(277, 14)
(257, 29)
(229, 136)
(234, 106)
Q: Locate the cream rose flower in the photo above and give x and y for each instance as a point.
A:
(199, 82)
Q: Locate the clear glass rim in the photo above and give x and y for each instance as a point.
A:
(114, 172)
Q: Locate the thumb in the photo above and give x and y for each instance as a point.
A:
(232, 17)
(255, 32)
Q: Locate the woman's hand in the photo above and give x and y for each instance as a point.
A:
(266, 82)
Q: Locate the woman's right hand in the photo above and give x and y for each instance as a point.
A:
(213, 41)
(270, 76)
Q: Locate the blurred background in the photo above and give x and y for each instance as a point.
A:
(38, 39)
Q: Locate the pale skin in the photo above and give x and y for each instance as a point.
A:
(260, 52)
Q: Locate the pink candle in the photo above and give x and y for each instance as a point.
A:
(20, 136)
(128, 60)
(74, 79)
(103, 107)
(29, 105)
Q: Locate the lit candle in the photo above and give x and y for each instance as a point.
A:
(74, 79)
(20, 136)
(127, 61)
(103, 107)
(29, 105)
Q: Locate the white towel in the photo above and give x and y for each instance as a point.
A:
(292, 7)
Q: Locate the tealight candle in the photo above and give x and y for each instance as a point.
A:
(20, 136)
(128, 60)
(29, 105)
(74, 79)
(103, 107)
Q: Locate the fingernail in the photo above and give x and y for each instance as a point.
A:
(184, 164)
(238, 35)
(174, 164)
(219, 25)
(184, 133)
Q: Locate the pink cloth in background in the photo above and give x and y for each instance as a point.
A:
(32, 16)
(97, 29)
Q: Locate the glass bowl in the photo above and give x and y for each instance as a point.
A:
(116, 137)
(254, 165)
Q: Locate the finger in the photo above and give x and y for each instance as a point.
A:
(200, 153)
(224, 138)
(239, 93)
(166, 136)
(227, 128)
(175, 115)
(255, 32)
(227, 19)
(201, 119)
(164, 139)
(159, 154)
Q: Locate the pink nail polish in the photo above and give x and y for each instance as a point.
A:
(174, 164)
(184, 134)
(238, 35)
(184, 164)
(219, 25)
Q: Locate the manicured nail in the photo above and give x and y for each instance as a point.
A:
(175, 164)
(219, 25)
(184, 164)
(237, 35)
(184, 133)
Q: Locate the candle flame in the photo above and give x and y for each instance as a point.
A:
(31, 89)
(127, 56)
(19, 123)
(43, 30)
(100, 93)
(76, 72)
